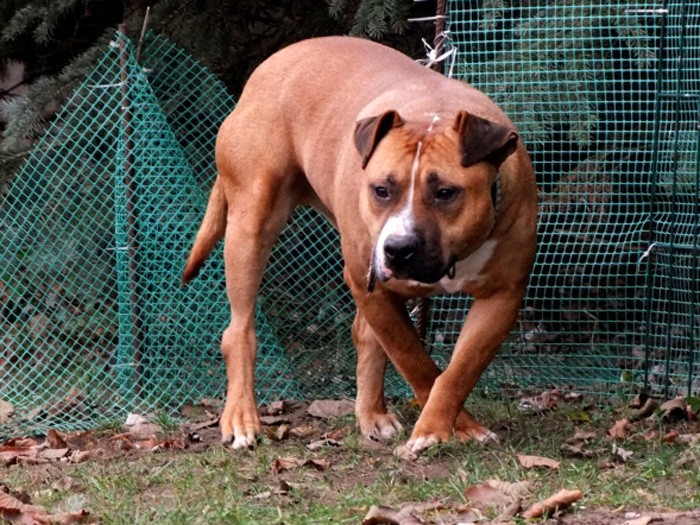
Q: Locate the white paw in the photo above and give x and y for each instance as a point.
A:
(421, 443)
(391, 430)
(384, 428)
(244, 441)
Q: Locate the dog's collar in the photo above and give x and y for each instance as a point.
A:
(496, 195)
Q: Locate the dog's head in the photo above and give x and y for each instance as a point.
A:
(428, 198)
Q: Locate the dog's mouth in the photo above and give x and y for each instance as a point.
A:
(425, 277)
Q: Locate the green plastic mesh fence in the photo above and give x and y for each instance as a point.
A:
(606, 95)
(93, 234)
(95, 227)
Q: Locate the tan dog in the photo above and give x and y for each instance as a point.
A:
(430, 189)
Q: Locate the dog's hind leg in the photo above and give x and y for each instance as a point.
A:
(257, 212)
(370, 408)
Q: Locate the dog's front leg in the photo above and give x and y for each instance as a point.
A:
(382, 322)
(370, 407)
(487, 325)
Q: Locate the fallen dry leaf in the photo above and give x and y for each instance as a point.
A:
(274, 420)
(575, 445)
(537, 461)
(621, 453)
(318, 463)
(339, 434)
(80, 456)
(279, 433)
(303, 431)
(639, 400)
(516, 489)
(581, 436)
(497, 494)
(273, 409)
(19, 450)
(646, 409)
(674, 410)
(509, 513)
(619, 429)
(6, 411)
(321, 443)
(282, 464)
(429, 505)
(644, 520)
(12, 510)
(173, 443)
(485, 496)
(19, 443)
(545, 401)
(81, 440)
(560, 500)
(379, 515)
(54, 453)
(330, 408)
(671, 437)
(688, 439)
(55, 440)
(155, 444)
(577, 451)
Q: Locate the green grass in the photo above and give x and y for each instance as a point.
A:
(217, 485)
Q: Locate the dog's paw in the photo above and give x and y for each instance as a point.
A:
(428, 432)
(246, 441)
(421, 443)
(485, 436)
(239, 428)
(381, 427)
(467, 429)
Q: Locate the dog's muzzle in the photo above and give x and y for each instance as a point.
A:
(408, 257)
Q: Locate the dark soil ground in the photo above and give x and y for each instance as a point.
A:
(310, 469)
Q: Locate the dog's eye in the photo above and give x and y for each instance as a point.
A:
(444, 195)
(381, 192)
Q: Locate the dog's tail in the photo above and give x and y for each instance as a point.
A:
(212, 229)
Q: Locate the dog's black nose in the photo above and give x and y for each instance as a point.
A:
(399, 249)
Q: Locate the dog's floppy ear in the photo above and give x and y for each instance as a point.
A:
(481, 139)
(369, 131)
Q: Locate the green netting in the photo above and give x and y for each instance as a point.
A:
(606, 96)
(93, 235)
(95, 228)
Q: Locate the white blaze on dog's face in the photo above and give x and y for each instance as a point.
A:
(428, 199)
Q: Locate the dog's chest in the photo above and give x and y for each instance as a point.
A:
(469, 269)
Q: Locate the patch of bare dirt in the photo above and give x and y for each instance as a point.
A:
(310, 441)
(610, 517)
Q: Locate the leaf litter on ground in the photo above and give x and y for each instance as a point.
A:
(17, 508)
(584, 439)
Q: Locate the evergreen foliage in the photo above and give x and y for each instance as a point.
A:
(60, 40)
(564, 79)
(374, 18)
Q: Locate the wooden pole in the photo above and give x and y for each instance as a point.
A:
(130, 194)
(439, 41)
